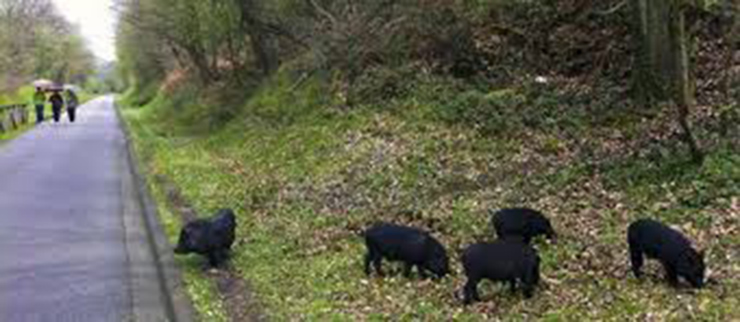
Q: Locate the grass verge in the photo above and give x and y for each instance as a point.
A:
(202, 291)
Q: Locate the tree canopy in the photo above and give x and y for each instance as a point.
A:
(37, 42)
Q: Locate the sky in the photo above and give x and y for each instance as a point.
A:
(95, 19)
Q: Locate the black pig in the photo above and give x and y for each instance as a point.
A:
(656, 240)
(503, 261)
(522, 224)
(211, 237)
(411, 246)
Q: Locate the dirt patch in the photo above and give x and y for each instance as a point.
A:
(239, 301)
(175, 199)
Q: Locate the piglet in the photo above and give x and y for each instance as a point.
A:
(522, 224)
(673, 250)
(210, 237)
(502, 261)
(409, 245)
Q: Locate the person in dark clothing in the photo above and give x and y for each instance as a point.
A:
(57, 102)
(39, 101)
(72, 103)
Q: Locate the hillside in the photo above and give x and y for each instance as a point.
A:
(305, 177)
(336, 114)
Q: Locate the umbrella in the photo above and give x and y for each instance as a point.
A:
(43, 83)
(70, 87)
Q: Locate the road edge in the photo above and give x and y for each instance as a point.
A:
(172, 293)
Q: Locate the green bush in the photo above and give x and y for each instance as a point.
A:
(381, 85)
(491, 113)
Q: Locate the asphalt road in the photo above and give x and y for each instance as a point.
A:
(63, 249)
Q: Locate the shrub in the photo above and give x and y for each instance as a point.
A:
(490, 113)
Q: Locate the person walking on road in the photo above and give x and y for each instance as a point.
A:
(39, 100)
(57, 102)
(72, 102)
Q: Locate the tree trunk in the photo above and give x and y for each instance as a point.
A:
(662, 61)
(730, 30)
(264, 49)
(653, 53)
(683, 97)
(678, 70)
(261, 40)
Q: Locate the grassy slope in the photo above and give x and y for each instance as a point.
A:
(304, 178)
(202, 292)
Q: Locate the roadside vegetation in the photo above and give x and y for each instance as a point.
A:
(467, 116)
(21, 96)
(37, 42)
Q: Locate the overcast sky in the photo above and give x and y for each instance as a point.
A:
(95, 19)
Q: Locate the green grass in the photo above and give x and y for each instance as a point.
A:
(304, 177)
(23, 95)
(202, 291)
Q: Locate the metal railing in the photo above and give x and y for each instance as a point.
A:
(13, 117)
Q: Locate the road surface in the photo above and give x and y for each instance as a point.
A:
(64, 253)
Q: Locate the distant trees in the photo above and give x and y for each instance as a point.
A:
(203, 36)
(37, 42)
(227, 40)
(141, 56)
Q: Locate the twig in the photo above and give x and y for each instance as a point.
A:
(301, 80)
(322, 11)
(614, 9)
